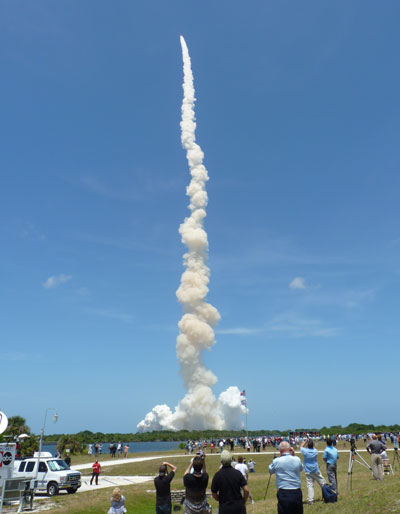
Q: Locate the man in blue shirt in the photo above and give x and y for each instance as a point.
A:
(330, 457)
(288, 482)
(310, 455)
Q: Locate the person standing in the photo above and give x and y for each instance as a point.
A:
(330, 457)
(126, 450)
(287, 468)
(67, 460)
(251, 466)
(227, 485)
(196, 484)
(242, 467)
(163, 488)
(95, 472)
(311, 468)
(375, 449)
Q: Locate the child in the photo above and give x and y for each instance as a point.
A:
(117, 502)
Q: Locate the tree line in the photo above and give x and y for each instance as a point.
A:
(76, 443)
(87, 436)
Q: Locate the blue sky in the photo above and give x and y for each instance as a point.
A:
(298, 117)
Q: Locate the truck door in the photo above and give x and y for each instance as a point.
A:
(42, 479)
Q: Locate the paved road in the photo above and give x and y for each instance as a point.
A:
(112, 481)
(118, 462)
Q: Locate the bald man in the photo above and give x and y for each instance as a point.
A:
(287, 468)
(375, 448)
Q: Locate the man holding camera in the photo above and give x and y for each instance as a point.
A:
(311, 468)
(196, 485)
(287, 468)
(163, 488)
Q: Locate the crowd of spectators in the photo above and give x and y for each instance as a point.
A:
(286, 466)
(229, 486)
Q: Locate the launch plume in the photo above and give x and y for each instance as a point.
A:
(199, 409)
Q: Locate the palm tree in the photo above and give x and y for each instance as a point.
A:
(17, 426)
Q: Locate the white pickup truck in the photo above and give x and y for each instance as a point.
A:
(53, 476)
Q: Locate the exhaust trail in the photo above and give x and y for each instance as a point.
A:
(199, 409)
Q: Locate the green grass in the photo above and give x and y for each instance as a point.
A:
(366, 497)
(105, 457)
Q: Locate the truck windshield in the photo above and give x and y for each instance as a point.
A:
(57, 465)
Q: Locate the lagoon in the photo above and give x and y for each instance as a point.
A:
(134, 447)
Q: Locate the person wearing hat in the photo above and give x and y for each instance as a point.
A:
(227, 486)
(163, 488)
(196, 484)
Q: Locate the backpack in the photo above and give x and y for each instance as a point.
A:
(329, 494)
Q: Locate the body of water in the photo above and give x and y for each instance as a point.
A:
(139, 447)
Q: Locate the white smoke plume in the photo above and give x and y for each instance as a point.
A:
(199, 409)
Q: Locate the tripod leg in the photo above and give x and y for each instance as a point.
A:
(269, 480)
(351, 476)
(364, 462)
(350, 472)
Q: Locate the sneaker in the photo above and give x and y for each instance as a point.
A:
(310, 502)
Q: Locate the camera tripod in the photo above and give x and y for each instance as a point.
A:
(396, 459)
(354, 457)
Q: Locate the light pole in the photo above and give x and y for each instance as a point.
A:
(55, 418)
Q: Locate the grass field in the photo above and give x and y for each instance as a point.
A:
(367, 495)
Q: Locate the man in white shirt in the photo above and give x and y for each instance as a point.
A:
(242, 467)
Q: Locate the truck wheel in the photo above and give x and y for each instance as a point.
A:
(72, 491)
(52, 489)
